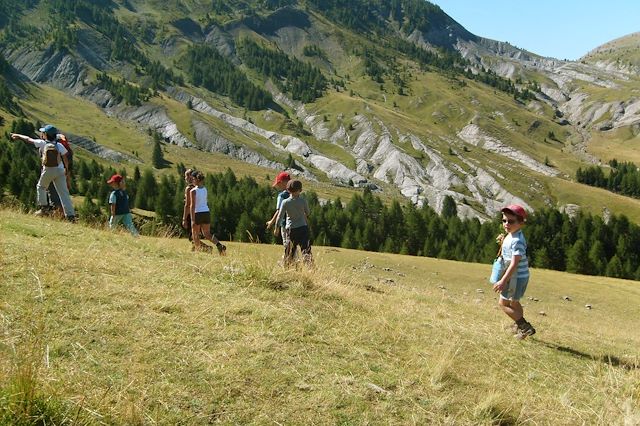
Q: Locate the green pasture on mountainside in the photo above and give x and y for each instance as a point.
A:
(102, 328)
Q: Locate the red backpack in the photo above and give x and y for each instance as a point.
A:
(64, 141)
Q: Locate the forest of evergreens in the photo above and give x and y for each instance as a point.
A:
(623, 178)
(206, 67)
(303, 81)
(240, 206)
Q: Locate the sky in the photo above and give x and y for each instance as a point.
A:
(563, 29)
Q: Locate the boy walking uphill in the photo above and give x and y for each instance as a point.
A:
(280, 184)
(513, 283)
(54, 169)
(119, 205)
(296, 210)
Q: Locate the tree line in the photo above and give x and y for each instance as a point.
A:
(623, 178)
(583, 243)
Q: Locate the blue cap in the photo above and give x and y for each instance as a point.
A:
(49, 130)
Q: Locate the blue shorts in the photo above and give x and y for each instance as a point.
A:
(516, 288)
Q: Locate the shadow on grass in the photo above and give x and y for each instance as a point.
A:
(607, 359)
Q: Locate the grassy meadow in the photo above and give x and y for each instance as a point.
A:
(102, 328)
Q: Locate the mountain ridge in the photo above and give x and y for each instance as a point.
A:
(357, 117)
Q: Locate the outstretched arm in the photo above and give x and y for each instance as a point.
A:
(23, 138)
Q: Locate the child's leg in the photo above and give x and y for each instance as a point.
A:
(127, 220)
(114, 221)
(305, 246)
(195, 235)
(289, 250)
(206, 230)
(512, 308)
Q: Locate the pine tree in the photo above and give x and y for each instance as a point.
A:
(614, 267)
(157, 157)
(244, 228)
(577, 258)
(163, 204)
(145, 197)
(449, 207)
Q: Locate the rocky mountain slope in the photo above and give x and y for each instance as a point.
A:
(486, 123)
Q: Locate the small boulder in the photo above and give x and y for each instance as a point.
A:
(479, 290)
(588, 306)
(543, 313)
(567, 298)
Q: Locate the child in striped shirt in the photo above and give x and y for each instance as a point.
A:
(513, 283)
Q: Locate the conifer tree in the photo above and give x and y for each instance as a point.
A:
(449, 207)
(577, 258)
(244, 228)
(614, 267)
(164, 203)
(157, 157)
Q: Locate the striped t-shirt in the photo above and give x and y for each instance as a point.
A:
(516, 245)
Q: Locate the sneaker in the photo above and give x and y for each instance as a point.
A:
(524, 332)
(222, 249)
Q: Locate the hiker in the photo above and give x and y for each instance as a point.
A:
(186, 211)
(200, 215)
(280, 183)
(513, 283)
(54, 170)
(296, 210)
(119, 205)
(54, 199)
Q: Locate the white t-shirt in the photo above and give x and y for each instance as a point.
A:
(40, 143)
(201, 199)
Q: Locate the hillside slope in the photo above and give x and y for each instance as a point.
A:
(402, 100)
(131, 331)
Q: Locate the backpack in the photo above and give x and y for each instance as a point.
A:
(64, 141)
(50, 155)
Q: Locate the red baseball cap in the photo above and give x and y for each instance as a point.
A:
(282, 177)
(115, 179)
(516, 210)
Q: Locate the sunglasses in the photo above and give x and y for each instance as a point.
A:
(509, 221)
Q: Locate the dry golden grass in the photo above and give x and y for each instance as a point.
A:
(117, 330)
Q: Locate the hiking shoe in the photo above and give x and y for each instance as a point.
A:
(222, 249)
(524, 332)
